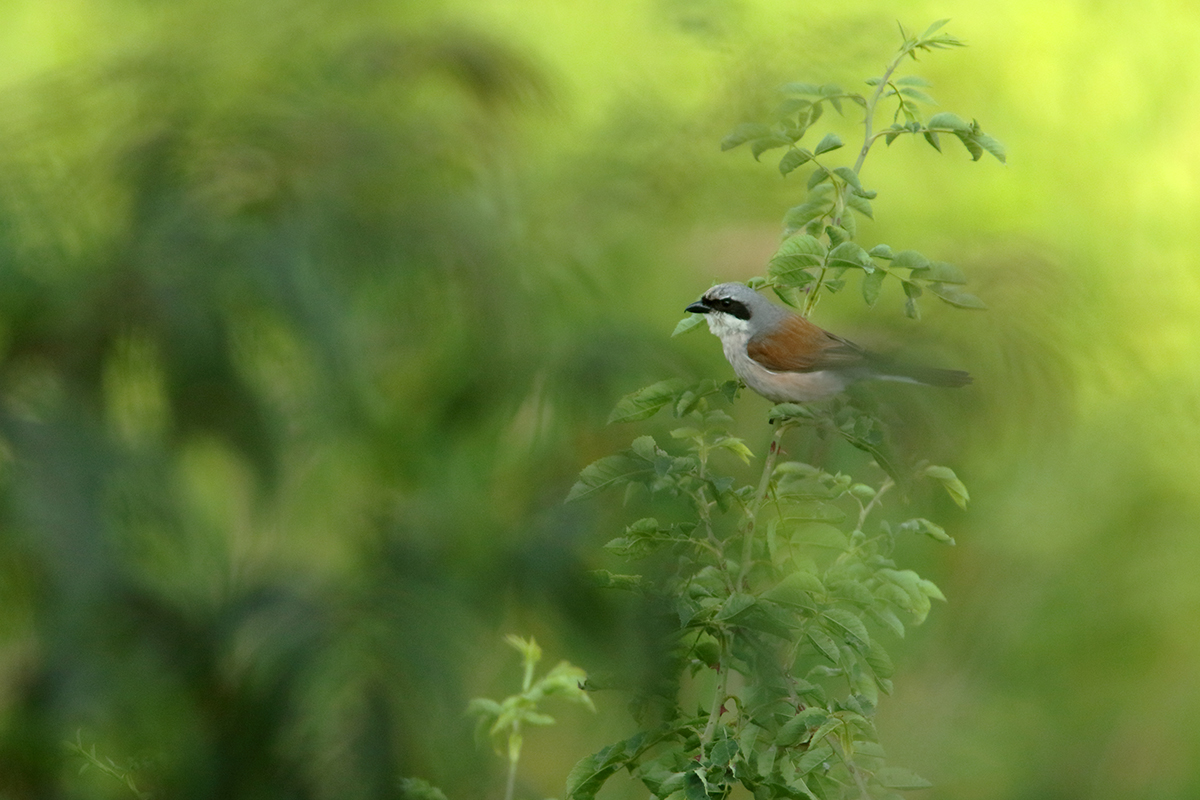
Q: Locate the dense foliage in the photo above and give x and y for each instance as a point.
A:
(783, 588)
(312, 311)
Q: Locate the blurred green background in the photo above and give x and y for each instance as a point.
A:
(310, 312)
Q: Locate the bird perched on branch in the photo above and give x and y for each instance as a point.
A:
(787, 359)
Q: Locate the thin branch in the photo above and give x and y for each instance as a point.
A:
(869, 115)
(883, 488)
(718, 703)
(759, 497)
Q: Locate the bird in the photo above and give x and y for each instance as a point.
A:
(787, 359)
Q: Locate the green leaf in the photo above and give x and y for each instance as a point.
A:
(888, 618)
(901, 778)
(723, 752)
(911, 309)
(800, 88)
(818, 536)
(761, 146)
(484, 707)
(944, 273)
(795, 730)
(930, 589)
(860, 204)
(850, 254)
(849, 177)
(879, 661)
(817, 176)
(844, 621)
(827, 728)
(814, 759)
(784, 411)
(607, 473)
(934, 28)
(992, 146)
(913, 80)
(735, 605)
(694, 786)
(646, 402)
(909, 259)
(641, 539)
(824, 644)
(793, 158)
(790, 106)
(972, 146)
(536, 718)
(853, 590)
(930, 529)
(796, 589)
(688, 323)
(949, 121)
(744, 133)
(932, 138)
(815, 112)
(831, 142)
(956, 296)
(791, 732)
(410, 788)
(871, 283)
(589, 774)
(918, 95)
(849, 223)
(881, 251)
(903, 589)
(645, 447)
(799, 216)
(953, 486)
(604, 579)
(794, 256)
(791, 295)
(768, 617)
(737, 447)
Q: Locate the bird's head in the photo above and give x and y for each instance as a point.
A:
(735, 308)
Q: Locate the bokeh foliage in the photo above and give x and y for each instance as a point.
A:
(310, 312)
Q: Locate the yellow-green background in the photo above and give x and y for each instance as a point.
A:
(310, 312)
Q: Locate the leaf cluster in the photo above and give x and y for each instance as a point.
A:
(819, 232)
(789, 584)
(126, 774)
(501, 722)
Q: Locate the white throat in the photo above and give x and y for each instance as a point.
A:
(727, 326)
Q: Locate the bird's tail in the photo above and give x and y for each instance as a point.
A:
(930, 376)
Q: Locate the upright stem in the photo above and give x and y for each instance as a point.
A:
(718, 703)
(759, 497)
(512, 780)
(814, 294)
(869, 116)
(866, 510)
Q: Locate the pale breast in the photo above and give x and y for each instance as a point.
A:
(785, 387)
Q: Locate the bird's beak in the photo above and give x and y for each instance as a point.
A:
(698, 307)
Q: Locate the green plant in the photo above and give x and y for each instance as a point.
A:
(91, 760)
(503, 722)
(784, 586)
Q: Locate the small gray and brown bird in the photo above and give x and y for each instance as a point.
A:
(787, 359)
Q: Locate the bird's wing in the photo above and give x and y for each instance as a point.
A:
(797, 345)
